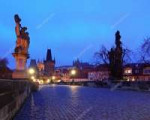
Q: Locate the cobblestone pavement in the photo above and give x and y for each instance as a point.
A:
(84, 103)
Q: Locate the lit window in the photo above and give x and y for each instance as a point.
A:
(133, 79)
(128, 71)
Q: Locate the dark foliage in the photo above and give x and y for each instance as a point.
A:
(145, 51)
(5, 72)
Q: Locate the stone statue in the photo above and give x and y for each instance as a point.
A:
(118, 37)
(21, 50)
(116, 58)
(23, 39)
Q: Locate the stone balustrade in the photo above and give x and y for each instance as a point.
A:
(12, 95)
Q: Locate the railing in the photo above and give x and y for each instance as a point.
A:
(10, 89)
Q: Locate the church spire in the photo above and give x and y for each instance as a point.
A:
(49, 55)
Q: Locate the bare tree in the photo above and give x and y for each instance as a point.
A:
(145, 51)
(3, 63)
(102, 55)
(116, 57)
(127, 53)
(5, 72)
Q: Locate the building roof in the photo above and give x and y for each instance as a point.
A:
(137, 68)
(137, 65)
(33, 63)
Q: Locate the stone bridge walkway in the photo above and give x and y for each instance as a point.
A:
(84, 103)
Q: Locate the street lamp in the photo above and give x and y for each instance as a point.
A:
(73, 73)
(31, 71)
(48, 80)
(32, 77)
(53, 77)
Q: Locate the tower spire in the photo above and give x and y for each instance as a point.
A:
(49, 55)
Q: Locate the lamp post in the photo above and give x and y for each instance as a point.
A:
(53, 79)
(31, 73)
(73, 73)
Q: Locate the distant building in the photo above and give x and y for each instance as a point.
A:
(83, 68)
(137, 72)
(100, 73)
(82, 65)
(40, 66)
(49, 64)
(63, 72)
(44, 68)
(33, 64)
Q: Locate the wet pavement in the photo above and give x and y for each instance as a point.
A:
(62, 102)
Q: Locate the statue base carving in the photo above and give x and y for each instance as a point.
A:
(19, 74)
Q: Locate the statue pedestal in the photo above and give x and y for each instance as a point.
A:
(20, 72)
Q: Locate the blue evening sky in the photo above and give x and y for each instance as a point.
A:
(73, 28)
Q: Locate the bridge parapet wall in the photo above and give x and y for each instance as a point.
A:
(12, 95)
